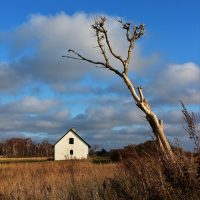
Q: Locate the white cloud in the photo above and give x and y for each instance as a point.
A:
(36, 49)
(176, 82)
(180, 75)
(32, 104)
(10, 79)
(38, 44)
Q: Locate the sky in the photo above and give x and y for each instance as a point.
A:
(42, 95)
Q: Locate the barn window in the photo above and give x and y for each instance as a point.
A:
(71, 152)
(71, 140)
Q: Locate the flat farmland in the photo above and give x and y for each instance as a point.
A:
(140, 179)
(23, 159)
(53, 180)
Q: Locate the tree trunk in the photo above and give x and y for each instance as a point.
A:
(157, 128)
(154, 122)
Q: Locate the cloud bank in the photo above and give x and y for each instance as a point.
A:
(43, 95)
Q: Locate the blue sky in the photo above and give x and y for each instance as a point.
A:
(43, 95)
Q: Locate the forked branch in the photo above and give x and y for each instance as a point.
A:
(137, 32)
(102, 34)
(99, 27)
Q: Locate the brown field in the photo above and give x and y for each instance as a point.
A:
(133, 179)
(53, 180)
(23, 159)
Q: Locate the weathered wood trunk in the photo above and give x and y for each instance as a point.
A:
(157, 128)
(155, 124)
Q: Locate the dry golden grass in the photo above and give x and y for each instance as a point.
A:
(22, 159)
(134, 179)
(53, 180)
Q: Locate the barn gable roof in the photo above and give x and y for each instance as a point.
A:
(74, 131)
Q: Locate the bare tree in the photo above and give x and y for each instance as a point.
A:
(133, 33)
(25, 147)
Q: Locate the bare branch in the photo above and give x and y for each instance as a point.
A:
(99, 23)
(138, 31)
(101, 46)
(141, 94)
(85, 59)
(93, 62)
(131, 88)
(75, 58)
(100, 66)
(98, 26)
(125, 26)
(110, 47)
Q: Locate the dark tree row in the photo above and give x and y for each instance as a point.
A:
(18, 147)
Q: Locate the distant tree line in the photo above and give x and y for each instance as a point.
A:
(144, 150)
(19, 147)
(149, 148)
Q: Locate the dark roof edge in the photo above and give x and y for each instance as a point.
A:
(74, 131)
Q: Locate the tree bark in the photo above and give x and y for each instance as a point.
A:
(154, 122)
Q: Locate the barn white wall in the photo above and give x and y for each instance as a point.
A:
(62, 148)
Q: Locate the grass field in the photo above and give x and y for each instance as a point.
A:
(134, 179)
(52, 180)
(24, 159)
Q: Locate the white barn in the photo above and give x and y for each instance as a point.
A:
(71, 146)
